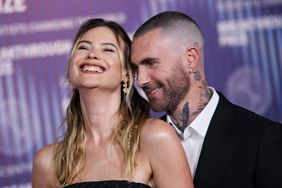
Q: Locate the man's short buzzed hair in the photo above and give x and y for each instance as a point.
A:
(173, 23)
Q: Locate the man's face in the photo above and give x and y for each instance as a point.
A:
(159, 69)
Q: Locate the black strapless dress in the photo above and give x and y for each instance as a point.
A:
(108, 184)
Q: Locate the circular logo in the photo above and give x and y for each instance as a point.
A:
(247, 87)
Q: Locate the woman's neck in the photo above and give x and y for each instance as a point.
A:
(100, 112)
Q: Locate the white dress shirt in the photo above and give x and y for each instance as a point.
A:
(193, 136)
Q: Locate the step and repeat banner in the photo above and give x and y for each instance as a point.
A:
(243, 60)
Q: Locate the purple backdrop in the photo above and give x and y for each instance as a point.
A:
(243, 60)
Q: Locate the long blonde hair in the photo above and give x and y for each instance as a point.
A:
(70, 154)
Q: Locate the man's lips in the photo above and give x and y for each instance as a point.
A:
(151, 91)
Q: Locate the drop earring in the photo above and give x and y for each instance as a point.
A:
(125, 87)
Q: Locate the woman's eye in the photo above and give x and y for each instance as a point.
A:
(82, 47)
(108, 50)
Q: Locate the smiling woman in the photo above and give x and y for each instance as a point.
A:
(97, 52)
(110, 140)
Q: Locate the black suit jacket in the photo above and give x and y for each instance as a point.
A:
(241, 150)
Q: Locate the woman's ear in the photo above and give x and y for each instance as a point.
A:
(124, 75)
(125, 78)
(192, 57)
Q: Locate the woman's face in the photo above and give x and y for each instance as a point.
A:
(96, 62)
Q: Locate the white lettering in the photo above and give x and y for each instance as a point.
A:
(15, 169)
(23, 28)
(24, 185)
(6, 68)
(235, 32)
(35, 50)
(12, 6)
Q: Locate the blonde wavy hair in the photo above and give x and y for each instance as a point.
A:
(70, 155)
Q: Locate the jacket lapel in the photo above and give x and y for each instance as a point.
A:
(220, 142)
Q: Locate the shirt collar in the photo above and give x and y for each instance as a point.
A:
(201, 123)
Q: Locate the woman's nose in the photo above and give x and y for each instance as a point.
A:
(92, 55)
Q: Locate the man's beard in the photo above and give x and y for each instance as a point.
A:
(175, 89)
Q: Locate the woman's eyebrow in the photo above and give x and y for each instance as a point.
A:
(84, 41)
(110, 44)
(103, 44)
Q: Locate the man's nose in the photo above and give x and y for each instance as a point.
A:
(142, 77)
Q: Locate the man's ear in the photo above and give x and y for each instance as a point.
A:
(192, 57)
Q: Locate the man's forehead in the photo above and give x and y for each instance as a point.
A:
(151, 31)
(150, 46)
(140, 52)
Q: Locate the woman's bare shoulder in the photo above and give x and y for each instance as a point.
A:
(43, 167)
(162, 147)
(157, 131)
(45, 154)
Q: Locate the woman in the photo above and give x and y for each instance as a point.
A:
(110, 141)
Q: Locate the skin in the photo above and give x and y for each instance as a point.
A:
(161, 158)
(171, 75)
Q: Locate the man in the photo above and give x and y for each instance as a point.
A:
(226, 145)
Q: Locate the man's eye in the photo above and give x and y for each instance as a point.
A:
(150, 63)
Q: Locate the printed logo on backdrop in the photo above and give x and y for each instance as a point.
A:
(234, 31)
(247, 87)
(54, 25)
(14, 137)
(12, 6)
(6, 67)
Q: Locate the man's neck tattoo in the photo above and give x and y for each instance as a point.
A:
(197, 75)
(181, 120)
(205, 97)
